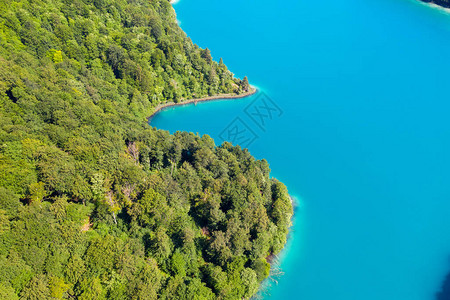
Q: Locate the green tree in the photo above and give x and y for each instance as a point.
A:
(36, 289)
(37, 192)
(245, 86)
(94, 202)
(91, 289)
(57, 287)
(7, 292)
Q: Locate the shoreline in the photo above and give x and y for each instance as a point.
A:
(163, 106)
(443, 5)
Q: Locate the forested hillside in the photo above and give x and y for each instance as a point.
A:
(96, 204)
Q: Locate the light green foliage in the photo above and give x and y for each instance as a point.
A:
(90, 289)
(55, 55)
(16, 173)
(4, 222)
(249, 281)
(261, 268)
(57, 287)
(15, 271)
(96, 204)
(9, 202)
(75, 269)
(37, 191)
(7, 292)
(178, 264)
(36, 289)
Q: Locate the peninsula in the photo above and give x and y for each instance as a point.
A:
(251, 91)
(94, 202)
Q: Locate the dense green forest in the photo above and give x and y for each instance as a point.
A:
(95, 203)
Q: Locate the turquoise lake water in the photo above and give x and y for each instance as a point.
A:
(363, 140)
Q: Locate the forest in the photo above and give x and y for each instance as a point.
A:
(94, 202)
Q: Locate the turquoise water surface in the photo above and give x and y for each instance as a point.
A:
(362, 142)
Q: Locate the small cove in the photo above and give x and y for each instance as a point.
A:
(362, 141)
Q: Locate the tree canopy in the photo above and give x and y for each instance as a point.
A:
(94, 202)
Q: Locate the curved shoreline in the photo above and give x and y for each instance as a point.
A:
(439, 3)
(161, 107)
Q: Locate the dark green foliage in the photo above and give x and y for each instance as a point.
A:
(96, 204)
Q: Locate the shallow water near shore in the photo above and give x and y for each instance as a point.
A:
(361, 135)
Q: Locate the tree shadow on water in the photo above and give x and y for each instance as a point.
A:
(444, 293)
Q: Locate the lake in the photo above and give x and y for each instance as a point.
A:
(353, 116)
